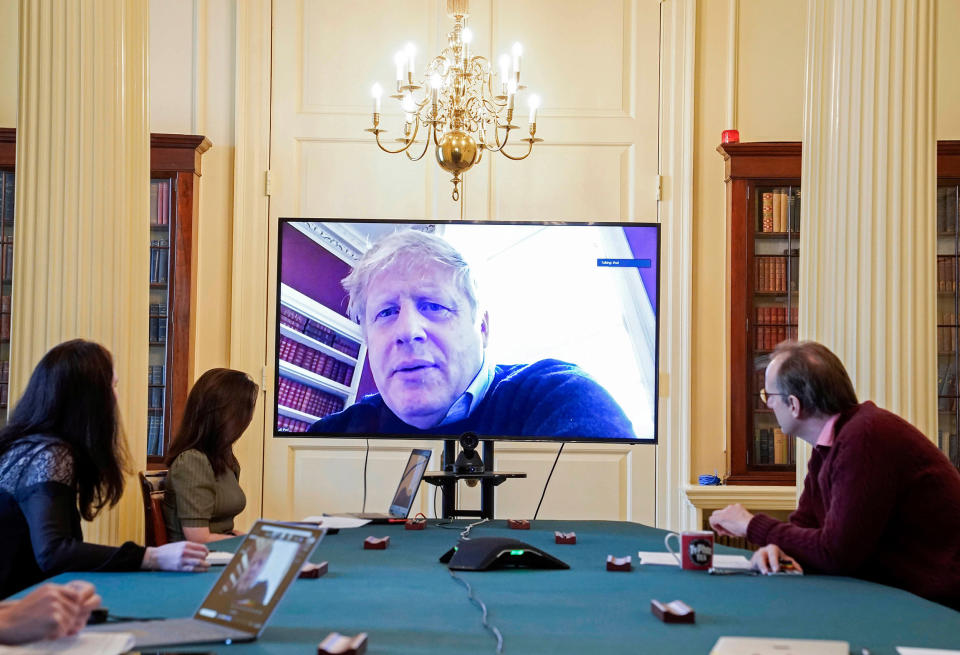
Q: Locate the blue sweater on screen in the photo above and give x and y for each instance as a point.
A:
(544, 399)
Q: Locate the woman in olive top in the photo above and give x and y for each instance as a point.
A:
(203, 493)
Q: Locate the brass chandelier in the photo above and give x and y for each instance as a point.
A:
(465, 108)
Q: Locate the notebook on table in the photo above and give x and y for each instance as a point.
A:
(244, 596)
(406, 490)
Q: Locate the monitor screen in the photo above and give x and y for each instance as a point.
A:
(521, 331)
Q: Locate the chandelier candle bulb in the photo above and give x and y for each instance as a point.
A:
(534, 103)
(517, 54)
(400, 60)
(377, 91)
(467, 38)
(511, 93)
(504, 72)
(411, 50)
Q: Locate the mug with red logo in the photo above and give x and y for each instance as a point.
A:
(696, 549)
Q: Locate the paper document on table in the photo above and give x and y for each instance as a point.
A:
(732, 562)
(719, 561)
(218, 558)
(336, 522)
(85, 643)
(667, 559)
(910, 650)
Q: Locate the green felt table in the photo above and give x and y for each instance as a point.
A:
(407, 601)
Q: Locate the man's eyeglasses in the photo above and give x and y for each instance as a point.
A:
(765, 397)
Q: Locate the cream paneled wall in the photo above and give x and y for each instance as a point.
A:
(597, 73)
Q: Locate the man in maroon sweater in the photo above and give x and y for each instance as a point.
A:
(880, 501)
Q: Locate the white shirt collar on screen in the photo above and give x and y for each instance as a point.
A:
(469, 399)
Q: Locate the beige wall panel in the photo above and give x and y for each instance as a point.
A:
(327, 476)
(336, 71)
(210, 345)
(9, 58)
(590, 482)
(599, 85)
(172, 66)
(355, 180)
(948, 81)
(563, 182)
(770, 69)
(574, 56)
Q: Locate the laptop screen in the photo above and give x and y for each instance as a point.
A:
(409, 483)
(251, 585)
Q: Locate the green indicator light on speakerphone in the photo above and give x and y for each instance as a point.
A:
(516, 552)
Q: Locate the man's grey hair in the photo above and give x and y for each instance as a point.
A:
(408, 249)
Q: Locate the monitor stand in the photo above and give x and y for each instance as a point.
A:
(468, 466)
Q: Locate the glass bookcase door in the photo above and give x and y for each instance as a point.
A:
(7, 186)
(161, 202)
(776, 256)
(948, 310)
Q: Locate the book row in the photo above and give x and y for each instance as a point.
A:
(946, 274)
(7, 185)
(777, 273)
(158, 326)
(307, 399)
(154, 431)
(950, 445)
(4, 317)
(318, 331)
(5, 371)
(3, 394)
(779, 210)
(159, 202)
(315, 361)
(946, 340)
(947, 386)
(159, 261)
(287, 424)
(772, 446)
(947, 217)
(156, 374)
(8, 261)
(768, 336)
(155, 397)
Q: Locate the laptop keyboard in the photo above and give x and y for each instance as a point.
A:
(176, 631)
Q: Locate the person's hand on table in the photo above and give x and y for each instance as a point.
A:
(49, 612)
(731, 521)
(178, 556)
(770, 559)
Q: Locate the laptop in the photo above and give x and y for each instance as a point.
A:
(242, 599)
(406, 490)
(774, 646)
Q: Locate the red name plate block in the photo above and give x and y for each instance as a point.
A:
(619, 563)
(518, 524)
(373, 543)
(309, 570)
(568, 538)
(338, 644)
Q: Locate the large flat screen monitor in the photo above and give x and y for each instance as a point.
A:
(521, 331)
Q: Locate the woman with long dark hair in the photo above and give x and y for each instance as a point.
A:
(203, 493)
(63, 457)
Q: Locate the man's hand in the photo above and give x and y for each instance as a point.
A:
(731, 521)
(770, 559)
(50, 612)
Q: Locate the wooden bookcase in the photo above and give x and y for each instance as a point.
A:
(753, 169)
(174, 167)
(764, 253)
(948, 298)
(320, 360)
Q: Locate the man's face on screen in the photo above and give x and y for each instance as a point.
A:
(423, 342)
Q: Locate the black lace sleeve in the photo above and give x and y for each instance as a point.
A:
(48, 500)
